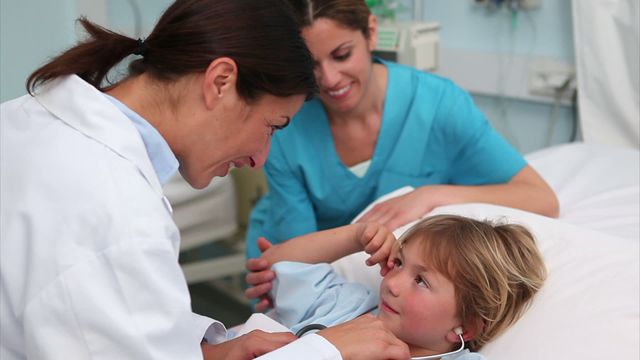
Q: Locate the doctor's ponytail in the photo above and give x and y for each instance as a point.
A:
(91, 59)
(262, 37)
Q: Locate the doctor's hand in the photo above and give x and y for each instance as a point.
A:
(366, 338)
(376, 240)
(401, 210)
(248, 346)
(259, 278)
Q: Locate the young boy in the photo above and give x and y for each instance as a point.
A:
(449, 282)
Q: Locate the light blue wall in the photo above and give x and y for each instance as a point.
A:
(542, 32)
(31, 31)
(121, 14)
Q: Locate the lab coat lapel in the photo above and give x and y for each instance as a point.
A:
(85, 109)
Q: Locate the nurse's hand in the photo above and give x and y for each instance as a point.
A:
(259, 278)
(248, 346)
(401, 210)
(366, 338)
(376, 240)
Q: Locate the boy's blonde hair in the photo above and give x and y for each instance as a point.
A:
(495, 268)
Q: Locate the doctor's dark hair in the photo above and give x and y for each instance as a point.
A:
(352, 14)
(261, 36)
(495, 268)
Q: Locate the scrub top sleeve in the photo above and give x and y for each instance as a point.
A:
(286, 210)
(480, 154)
(128, 302)
(309, 347)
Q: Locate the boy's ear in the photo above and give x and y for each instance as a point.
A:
(470, 330)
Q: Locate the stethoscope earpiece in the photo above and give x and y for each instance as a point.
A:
(458, 332)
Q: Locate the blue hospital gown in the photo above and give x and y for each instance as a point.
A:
(306, 294)
(431, 133)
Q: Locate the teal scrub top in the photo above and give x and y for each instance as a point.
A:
(431, 133)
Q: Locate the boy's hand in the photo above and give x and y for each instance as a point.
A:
(376, 240)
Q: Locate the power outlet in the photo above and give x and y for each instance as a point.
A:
(552, 78)
(529, 4)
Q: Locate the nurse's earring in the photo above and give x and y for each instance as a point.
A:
(372, 40)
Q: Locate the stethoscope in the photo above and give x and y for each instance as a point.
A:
(457, 330)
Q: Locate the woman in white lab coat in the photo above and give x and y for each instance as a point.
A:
(88, 247)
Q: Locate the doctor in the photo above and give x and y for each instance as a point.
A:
(88, 260)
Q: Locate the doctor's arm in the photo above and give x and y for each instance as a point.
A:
(248, 346)
(363, 338)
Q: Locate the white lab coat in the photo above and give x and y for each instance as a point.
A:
(88, 249)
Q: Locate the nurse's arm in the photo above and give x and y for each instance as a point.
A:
(527, 191)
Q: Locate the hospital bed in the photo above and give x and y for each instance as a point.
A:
(589, 307)
(206, 217)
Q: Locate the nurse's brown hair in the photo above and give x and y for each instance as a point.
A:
(261, 36)
(352, 14)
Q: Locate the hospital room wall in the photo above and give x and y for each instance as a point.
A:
(497, 48)
(30, 32)
(33, 30)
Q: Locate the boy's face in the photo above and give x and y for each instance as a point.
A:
(417, 303)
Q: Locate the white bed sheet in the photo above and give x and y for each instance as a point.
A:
(589, 307)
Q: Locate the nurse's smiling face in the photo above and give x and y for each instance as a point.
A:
(343, 65)
(418, 303)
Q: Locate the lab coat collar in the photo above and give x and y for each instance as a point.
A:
(84, 108)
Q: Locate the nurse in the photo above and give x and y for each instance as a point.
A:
(377, 126)
(89, 251)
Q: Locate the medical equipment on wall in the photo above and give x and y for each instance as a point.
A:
(513, 5)
(410, 43)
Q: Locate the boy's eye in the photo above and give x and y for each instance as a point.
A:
(421, 282)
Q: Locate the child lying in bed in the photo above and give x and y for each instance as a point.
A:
(449, 282)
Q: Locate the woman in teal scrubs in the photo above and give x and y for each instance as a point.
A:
(377, 126)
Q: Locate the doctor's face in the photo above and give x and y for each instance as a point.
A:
(417, 303)
(343, 66)
(239, 134)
